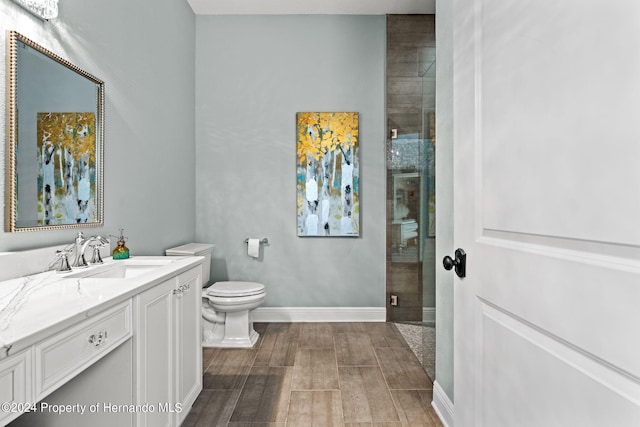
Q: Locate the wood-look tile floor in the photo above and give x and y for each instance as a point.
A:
(316, 374)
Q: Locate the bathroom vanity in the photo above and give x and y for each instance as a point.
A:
(115, 344)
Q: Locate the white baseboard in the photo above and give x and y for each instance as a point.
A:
(442, 405)
(330, 314)
(319, 314)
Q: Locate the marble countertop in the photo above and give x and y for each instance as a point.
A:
(37, 306)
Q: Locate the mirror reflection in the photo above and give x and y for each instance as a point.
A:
(54, 143)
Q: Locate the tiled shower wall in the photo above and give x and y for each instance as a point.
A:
(411, 89)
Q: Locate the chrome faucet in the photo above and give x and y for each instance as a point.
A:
(62, 263)
(78, 251)
(81, 246)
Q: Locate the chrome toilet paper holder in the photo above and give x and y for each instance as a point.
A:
(264, 240)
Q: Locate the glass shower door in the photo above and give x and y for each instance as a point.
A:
(410, 182)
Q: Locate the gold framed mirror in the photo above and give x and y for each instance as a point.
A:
(55, 141)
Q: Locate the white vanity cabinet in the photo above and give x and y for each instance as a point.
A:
(168, 354)
(48, 372)
(15, 385)
(120, 344)
(61, 357)
(188, 341)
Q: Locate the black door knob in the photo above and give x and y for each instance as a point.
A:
(448, 263)
(460, 263)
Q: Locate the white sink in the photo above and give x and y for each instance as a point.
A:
(118, 271)
(125, 269)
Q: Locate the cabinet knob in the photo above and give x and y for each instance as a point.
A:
(97, 340)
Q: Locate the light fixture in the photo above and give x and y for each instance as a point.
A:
(45, 9)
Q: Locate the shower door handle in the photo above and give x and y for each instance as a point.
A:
(460, 263)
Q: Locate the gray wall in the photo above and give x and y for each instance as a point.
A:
(146, 59)
(444, 187)
(253, 74)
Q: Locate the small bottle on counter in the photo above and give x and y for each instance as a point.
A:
(121, 251)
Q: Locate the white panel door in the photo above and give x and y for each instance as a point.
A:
(547, 207)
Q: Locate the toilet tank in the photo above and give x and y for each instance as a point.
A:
(195, 249)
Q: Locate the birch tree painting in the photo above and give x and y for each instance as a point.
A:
(66, 168)
(328, 186)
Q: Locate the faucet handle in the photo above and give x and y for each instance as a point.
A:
(63, 256)
(96, 258)
(97, 243)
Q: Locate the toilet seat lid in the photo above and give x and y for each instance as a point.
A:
(235, 289)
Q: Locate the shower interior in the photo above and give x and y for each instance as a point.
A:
(411, 138)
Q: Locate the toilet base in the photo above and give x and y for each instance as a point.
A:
(236, 332)
(248, 342)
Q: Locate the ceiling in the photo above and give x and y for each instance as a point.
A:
(311, 7)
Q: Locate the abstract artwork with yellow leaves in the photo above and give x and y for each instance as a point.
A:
(66, 168)
(328, 175)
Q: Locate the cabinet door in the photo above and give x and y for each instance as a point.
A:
(15, 385)
(188, 341)
(154, 356)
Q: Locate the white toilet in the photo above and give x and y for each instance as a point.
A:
(226, 306)
(226, 310)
